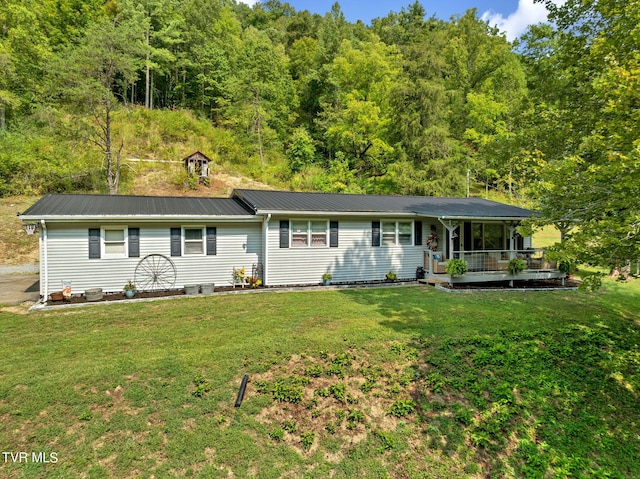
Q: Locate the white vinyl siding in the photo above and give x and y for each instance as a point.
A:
(238, 245)
(354, 259)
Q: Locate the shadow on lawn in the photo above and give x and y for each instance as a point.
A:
(561, 400)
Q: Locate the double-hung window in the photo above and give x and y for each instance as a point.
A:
(193, 241)
(397, 233)
(114, 241)
(309, 233)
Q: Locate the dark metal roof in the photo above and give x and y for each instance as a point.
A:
(264, 201)
(118, 206)
(252, 202)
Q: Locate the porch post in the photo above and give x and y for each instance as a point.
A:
(451, 227)
(512, 240)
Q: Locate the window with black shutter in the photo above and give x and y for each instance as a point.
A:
(212, 241)
(176, 241)
(417, 233)
(284, 233)
(94, 242)
(134, 242)
(375, 233)
(333, 234)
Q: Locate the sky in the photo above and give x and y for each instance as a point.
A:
(511, 16)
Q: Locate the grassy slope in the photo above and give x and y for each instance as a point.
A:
(516, 385)
(16, 247)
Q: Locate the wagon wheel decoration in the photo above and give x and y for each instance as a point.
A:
(155, 272)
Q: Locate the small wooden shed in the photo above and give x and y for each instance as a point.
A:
(197, 164)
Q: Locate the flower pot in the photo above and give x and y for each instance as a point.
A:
(207, 288)
(56, 296)
(326, 282)
(129, 293)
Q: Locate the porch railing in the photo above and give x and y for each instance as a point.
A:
(490, 260)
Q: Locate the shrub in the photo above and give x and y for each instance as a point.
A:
(456, 267)
(516, 265)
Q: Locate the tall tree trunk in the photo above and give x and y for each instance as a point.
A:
(113, 168)
(3, 118)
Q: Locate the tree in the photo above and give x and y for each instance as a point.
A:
(90, 75)
(356, 122)
(593, 189)
(264, 96)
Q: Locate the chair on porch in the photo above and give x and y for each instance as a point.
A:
(439, 265)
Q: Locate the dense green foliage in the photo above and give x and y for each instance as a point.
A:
(393, 382)
(314, 102)
(410, 104)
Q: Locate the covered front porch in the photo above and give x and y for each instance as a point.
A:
(487, 245)
(492, 266)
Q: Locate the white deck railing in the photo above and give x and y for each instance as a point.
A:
(489, 260)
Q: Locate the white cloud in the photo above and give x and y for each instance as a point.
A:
(251, 3)
(528, 13)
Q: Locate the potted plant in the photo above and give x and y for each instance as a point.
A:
(129, 289)
(326, 278)
(516, 265)
(456, 267)
(391, 276)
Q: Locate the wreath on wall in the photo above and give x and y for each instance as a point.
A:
(432, 242)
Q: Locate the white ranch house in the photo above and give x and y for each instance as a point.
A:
(102, 241)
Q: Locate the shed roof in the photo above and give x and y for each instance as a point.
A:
(104, 206)
(266, 201)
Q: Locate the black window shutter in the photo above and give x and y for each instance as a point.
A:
(176, 242)
(94, 242)
(417, 233)
(333, 234)
(134, 242)
(375, 233)
(212, 241)
(284, 233)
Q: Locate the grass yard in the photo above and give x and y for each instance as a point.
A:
(403, 382)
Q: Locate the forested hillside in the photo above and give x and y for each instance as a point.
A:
(409, 105)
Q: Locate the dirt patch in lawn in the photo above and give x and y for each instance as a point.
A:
(344, 397)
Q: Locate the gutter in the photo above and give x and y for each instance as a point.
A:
(265, 238)
(333, 214)
(482, 218)
(44, 267)
(144, 219)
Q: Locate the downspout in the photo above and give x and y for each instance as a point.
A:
(265, 236)
(44, 268)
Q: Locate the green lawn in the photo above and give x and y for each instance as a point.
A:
(396, 382)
